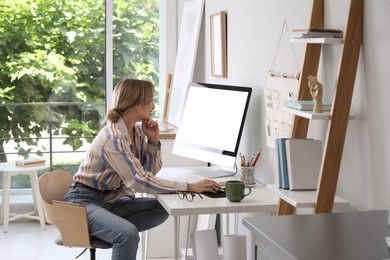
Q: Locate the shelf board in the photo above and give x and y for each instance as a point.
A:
(317, 40)
(326, 115)
(302, 198)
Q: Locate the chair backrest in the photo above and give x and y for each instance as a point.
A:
(54, 185)
(69, 218)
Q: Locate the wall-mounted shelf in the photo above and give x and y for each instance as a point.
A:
(325, 115)
(317, 40)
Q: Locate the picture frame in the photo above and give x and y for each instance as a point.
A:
(218, 44)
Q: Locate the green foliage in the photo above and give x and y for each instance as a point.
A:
(54, 51)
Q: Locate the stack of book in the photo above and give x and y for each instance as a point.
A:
(316, 33)
(30, 162)
(299, 162)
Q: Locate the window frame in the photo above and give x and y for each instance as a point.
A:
(167, 54)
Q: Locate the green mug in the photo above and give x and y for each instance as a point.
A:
(235, 190)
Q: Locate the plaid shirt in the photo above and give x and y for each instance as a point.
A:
(111, 164)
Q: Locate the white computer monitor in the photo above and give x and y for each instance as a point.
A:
(211, 125)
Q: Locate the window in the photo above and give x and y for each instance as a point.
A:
(136, 41)
(58, 63)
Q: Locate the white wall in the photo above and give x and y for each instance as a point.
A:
(254, 27)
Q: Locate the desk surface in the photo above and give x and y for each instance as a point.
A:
(260, 199)
(348, 235)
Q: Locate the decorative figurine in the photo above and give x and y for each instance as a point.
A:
(316, 92)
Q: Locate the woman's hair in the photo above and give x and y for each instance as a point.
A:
(127, 94)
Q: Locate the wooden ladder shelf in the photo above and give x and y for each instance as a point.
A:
(338, 123)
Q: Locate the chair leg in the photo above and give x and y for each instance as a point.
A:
(92, 253)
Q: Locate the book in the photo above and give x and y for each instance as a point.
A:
(304, 157)
(316, 33)
(30, 162)
(278, 164)
(306, 105)
(282, 163)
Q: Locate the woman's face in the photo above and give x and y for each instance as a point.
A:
(147, 110)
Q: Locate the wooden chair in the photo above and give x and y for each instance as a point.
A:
(69, 218)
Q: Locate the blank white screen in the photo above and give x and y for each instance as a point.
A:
(211, 123)
(212, 118)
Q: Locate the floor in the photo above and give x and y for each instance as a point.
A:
(25, 240)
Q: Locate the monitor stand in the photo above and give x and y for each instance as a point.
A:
(214, 171)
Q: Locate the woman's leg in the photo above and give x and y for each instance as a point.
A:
(145, 213)
(106, 225)
(114, 229)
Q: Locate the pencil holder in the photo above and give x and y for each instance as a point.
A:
(247, 175)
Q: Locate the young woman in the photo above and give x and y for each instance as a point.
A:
(124, 158)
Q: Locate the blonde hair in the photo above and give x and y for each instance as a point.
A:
(127, 94)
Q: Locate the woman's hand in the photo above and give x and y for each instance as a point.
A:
(151, 130)
(205, 185)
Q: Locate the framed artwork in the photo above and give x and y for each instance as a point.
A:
(218, 45)
(185, 58)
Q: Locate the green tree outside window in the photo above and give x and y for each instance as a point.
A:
(54, 51)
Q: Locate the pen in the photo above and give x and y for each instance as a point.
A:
(257, 157)
(251, 161)
(242, 160)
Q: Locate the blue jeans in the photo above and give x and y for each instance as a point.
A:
(120, 222)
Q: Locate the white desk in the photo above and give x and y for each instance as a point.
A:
(259, 200)
(9, 169)
(346, 235)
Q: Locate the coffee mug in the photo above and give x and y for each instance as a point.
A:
(235, 190)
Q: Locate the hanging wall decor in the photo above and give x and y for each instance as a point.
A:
(280, 88)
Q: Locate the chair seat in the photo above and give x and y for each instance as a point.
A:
(95, 242)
